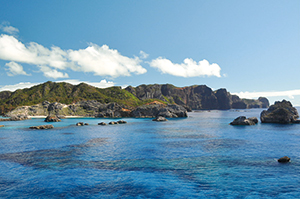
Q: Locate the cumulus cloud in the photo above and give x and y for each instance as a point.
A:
(7, 28)
(13, 50)
(189, 67)
(290, 94)
(14, 68)
(104, 61)
(101, 61)
(15, 87)
(53, 73)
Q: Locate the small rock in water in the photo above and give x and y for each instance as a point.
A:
(52, 119)
(284, 159)
(102, 123)
(1, 125)
(42, 127)
(113, 123)
(86, 124)
(80, 124)
(160, 119)
(242, 120)
(121, 122)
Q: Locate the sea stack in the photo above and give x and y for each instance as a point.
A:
(281, 112)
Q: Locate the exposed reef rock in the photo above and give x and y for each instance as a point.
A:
(242, 120)
(284, 159)
(281, 112)
(42, 127)
(52, 119)
(160, 119)
(1, 126)
(82, 124)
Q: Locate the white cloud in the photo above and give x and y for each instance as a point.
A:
(53, 73)
(20, 85)
(13, 50)
(102, 84)
(15, 69)
(103, 61)
(5, 27)
(143, 55)
(189, 67)
(290, 94)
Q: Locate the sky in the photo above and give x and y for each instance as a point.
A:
(249, 47)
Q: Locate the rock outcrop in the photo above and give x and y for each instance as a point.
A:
(242, 120)
(82, 124)
(160, 119)
(281, 112)
(52, 119)
(1, 126)
(42, 127)
(284, 159)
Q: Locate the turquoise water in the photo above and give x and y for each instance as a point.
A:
(197, 157)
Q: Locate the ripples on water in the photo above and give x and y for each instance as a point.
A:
(198, 157)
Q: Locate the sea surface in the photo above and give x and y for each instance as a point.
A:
(201, 156)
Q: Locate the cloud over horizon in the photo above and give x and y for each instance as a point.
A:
(189, 67)
(102, 84)
(290, 94)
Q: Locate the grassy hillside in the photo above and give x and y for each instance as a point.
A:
(65, 93)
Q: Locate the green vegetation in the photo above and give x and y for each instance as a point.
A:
(67, 94)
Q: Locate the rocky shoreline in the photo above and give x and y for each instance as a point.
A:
(98, 110)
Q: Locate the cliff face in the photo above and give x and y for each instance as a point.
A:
(198, 97)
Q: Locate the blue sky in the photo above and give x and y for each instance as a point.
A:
(251, 48)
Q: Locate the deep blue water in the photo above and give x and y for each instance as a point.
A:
(197, 157)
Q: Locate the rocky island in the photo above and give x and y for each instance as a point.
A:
(281, 112)
(166, 100)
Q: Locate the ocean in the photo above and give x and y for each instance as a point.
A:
(201, 156)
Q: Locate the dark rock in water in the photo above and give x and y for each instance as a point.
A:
(242, 120)
(86, 124)
(284, 159)
(79, 124)
(281, 112)
(42, 127)
(1, 125)
(160, 119)
(121, 122)
(111, 123)
(52, 119)
(102, 123)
